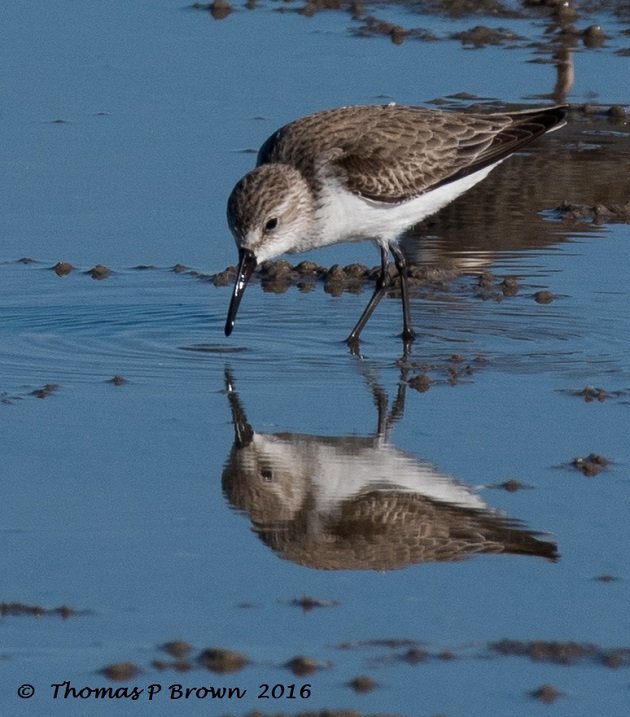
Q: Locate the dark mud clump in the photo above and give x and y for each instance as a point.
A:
(177, 648)
(121, 671)
(117, 380)
(480, 36)
(19, 609)
(420, 383)
(606, 578)
(487, 287)
(62, 268)
(308, 603)
(218, 660)
(373, 27)
(509, 286)
(547, 694)
(277, 276)
(302, 666)
(618, 112)
(98, 272)
(219, 9)
(544, 297)
(452, 371)
(591, 465)
(45, 391)
(362, 684)
(182, 268)
(592, 393)
(414, 655)
(511, 486)
(593, 214)
(563, 653)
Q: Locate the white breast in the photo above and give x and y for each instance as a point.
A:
(343, 216)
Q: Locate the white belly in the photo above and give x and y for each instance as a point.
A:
(347, 217)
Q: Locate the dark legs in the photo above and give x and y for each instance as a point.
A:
(383, 283)
(408, 333)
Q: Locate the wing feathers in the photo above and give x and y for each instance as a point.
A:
(393, 153)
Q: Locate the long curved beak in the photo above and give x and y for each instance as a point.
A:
(246, 265)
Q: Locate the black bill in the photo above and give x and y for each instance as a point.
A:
(246, 265)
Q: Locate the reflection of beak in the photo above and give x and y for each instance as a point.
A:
(247, 264)
(243, 432)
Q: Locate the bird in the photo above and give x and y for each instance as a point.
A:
(367, 172)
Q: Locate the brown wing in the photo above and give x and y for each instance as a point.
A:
(393, 153)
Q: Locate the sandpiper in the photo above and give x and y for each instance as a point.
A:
(367, 172)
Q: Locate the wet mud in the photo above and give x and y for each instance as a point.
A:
(383, 653)
(121, 671)
(18, 609)
(563, 653)
(591, 465)
(221, 661)
(308, 603)
(547, 694)
(569, 23)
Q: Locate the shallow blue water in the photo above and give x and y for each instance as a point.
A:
(113, 498)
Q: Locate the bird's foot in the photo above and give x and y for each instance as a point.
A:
(353, 344)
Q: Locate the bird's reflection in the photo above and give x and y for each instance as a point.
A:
(358, 502)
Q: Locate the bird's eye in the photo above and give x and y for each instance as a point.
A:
(271, 224)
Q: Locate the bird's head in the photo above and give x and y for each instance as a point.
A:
(269, 211)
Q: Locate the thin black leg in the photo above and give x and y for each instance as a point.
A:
(408, 333)
(382, 284)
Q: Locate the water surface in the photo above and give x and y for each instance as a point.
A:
(224, 479)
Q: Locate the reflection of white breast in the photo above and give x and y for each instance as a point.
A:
(338, 469)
